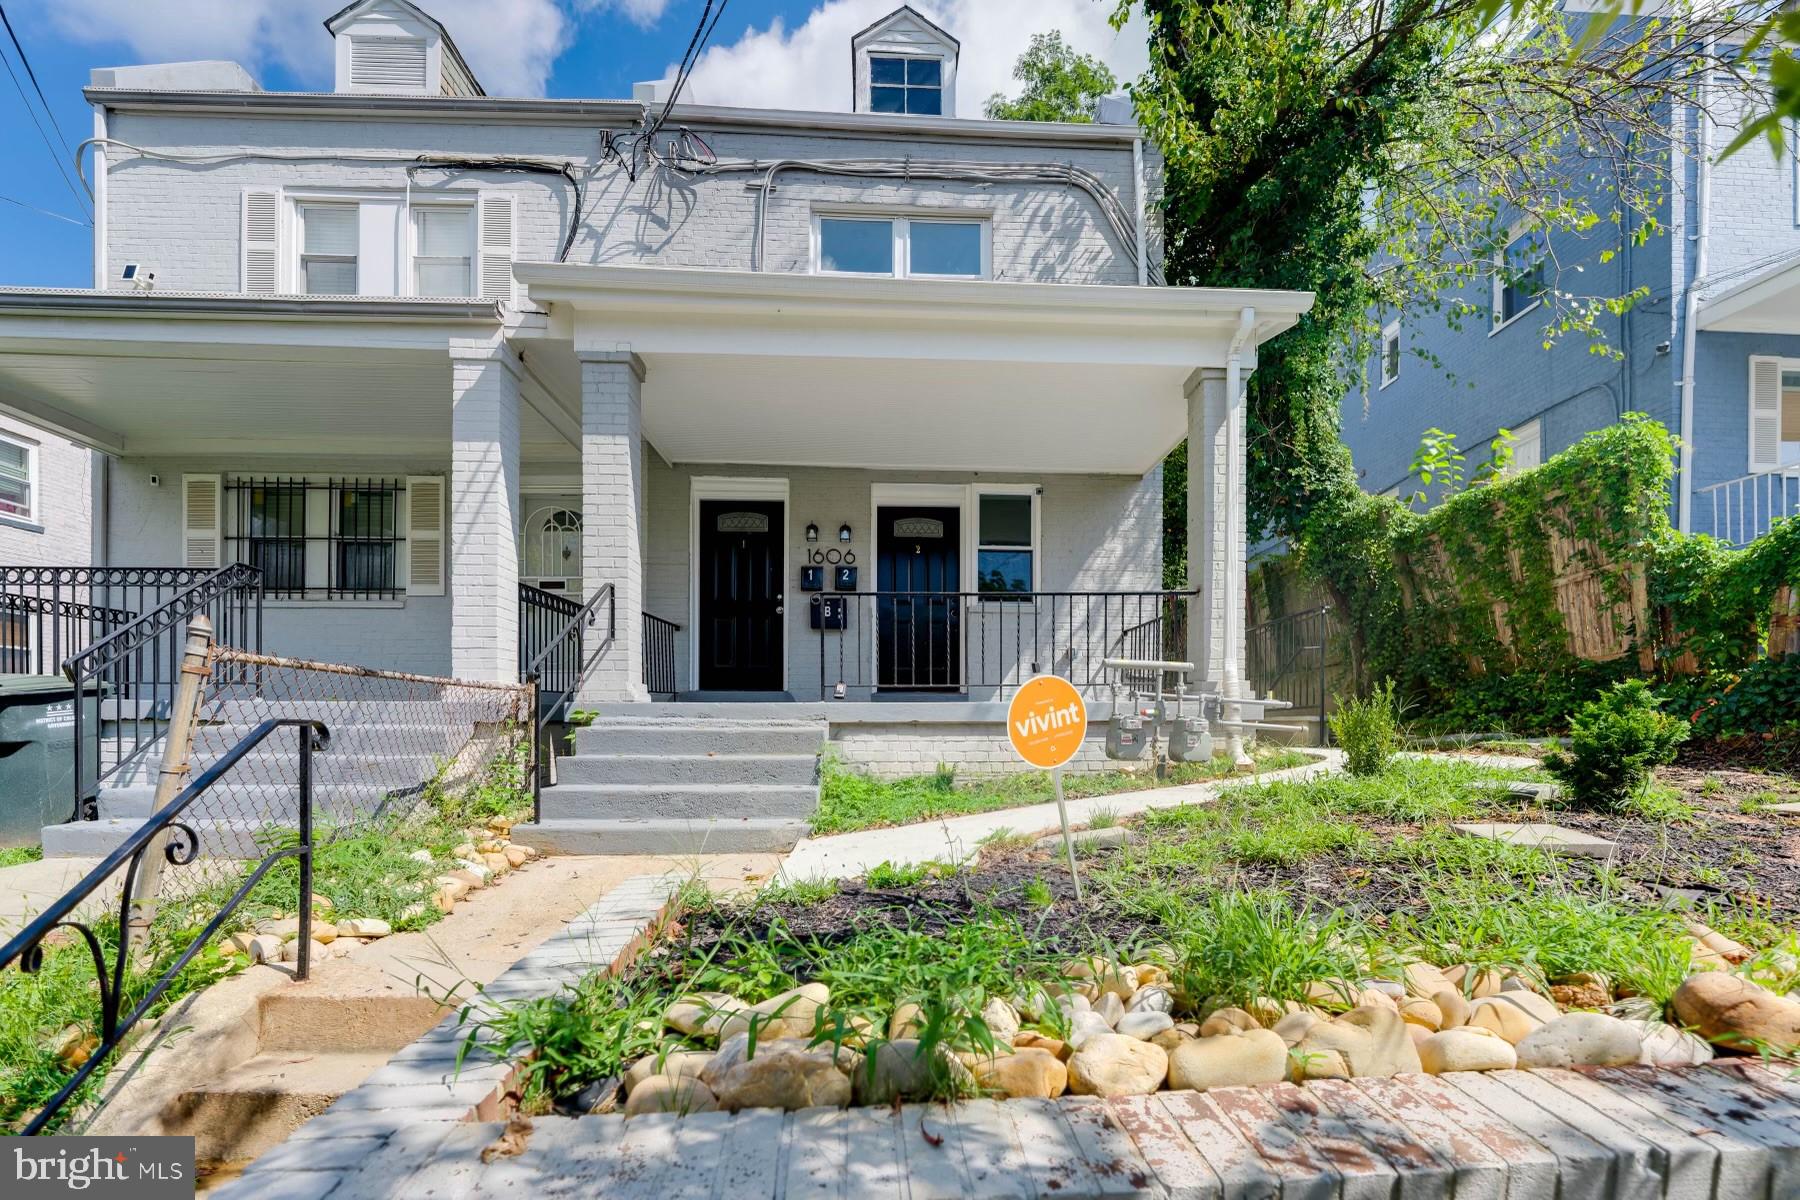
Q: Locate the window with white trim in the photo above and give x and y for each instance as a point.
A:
(318, 538)
(18, 479)
(906, 84)
(1518, 278)
(901, 247)
(1390, 353)
(1006, 540)
(443, 250)
(329, 243)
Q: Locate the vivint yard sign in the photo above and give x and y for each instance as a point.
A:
(1046, 723)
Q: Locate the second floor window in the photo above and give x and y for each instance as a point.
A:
(1390, 353)
(1518, 278)
(906, 85)
(444, 251)
(902, 247)
(328, 249)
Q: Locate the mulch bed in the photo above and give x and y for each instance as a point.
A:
(1750, 859)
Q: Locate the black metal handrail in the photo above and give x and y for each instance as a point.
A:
(568, 643)
(543, 615)
(659, 655)
(1272, 660)
(52, 627)
(958, 642)
(137, 666)
(180, 847)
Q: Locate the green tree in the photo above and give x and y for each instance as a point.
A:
(1381, 155)
(1060, 84)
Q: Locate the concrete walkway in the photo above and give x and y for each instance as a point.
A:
(846, 855)
(28, 888)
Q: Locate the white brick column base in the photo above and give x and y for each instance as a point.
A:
(613, 520)
(484, 505)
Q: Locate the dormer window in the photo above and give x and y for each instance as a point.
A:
(904, 65)
(394, 47)
(906, 85)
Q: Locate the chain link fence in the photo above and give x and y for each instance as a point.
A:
(403, 752)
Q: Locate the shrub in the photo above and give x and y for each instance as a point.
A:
(1615, 741)
(1368, 729)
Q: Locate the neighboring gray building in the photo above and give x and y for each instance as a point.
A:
(1712, 351)
(840, 409)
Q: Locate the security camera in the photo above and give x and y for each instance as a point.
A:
(137, 277)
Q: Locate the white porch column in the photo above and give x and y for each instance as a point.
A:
(484, 505)
(1216, 531)
(613, 517)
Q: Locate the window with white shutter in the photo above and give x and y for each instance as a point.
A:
(426, 521)
(260, 242)
(497, 247)
(200, 511)
(443, 250)
(1765, 413)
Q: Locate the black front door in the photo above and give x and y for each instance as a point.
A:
(740, 595)
(919, 630)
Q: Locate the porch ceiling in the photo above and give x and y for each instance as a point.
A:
(807, 370)
(144, 381)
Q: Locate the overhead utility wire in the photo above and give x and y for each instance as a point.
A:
(45, 211)
(32, 112)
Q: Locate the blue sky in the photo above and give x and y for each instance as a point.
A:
(775, 53)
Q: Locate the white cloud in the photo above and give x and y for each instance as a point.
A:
(642, 13)
(510, 44)
(808, 67)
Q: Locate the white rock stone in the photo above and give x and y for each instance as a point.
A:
(1581, 1039)
(1466, 1048)
(290, 951)
(1002, 1020)
(1085, 1027)
(1153, 998)
(367, 927)
(265, 948)
(1144, 1025)
(1110, 1008)
(1668, 1046)
(420, 856)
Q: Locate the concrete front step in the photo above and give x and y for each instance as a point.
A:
(697, 738)
(700, 801)
(719, 835)
(274, 766)
(794, 770)
(273, 802)
(346, 737)
(219, 837)
(255, 1105)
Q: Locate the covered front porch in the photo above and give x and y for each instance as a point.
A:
(790, 488)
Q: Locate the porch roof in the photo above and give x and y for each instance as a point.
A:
(846, 371)
(1765, 303)
(201, 373)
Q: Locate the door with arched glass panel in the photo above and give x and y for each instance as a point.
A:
(550, 548)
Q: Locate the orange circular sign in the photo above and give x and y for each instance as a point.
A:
(1047, 721)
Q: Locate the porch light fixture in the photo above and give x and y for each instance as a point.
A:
(844, 532)
(812, 531)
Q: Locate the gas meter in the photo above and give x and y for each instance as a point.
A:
(1127, 735)
(1190, 740)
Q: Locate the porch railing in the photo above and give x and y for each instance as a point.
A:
(659, 656)
(132, 672)
(987, 643)
(169, 834)
(1289, 658)
(1743, 509)
(543, 616)
(555, 672)
(38, 632)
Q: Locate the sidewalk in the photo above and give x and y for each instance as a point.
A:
(846, 855)
(29, 888)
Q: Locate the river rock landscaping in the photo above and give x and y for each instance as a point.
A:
(1327, 928)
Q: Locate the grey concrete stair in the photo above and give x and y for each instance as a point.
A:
(675, 784)
(652, 835)
(794, 770)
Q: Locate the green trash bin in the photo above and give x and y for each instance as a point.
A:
(37, 754)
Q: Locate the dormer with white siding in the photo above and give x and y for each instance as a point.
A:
(904, 63)
(393, 47)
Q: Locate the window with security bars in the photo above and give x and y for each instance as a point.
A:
(318, 538)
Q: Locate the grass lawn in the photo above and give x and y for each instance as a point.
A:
(13, 856)
(1255, 901)
(850, 800)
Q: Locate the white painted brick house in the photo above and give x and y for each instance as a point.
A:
(409, 346)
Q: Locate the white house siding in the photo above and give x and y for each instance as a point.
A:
(405, 635)
(61, 531)
(182, 222)
(1099, 533)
